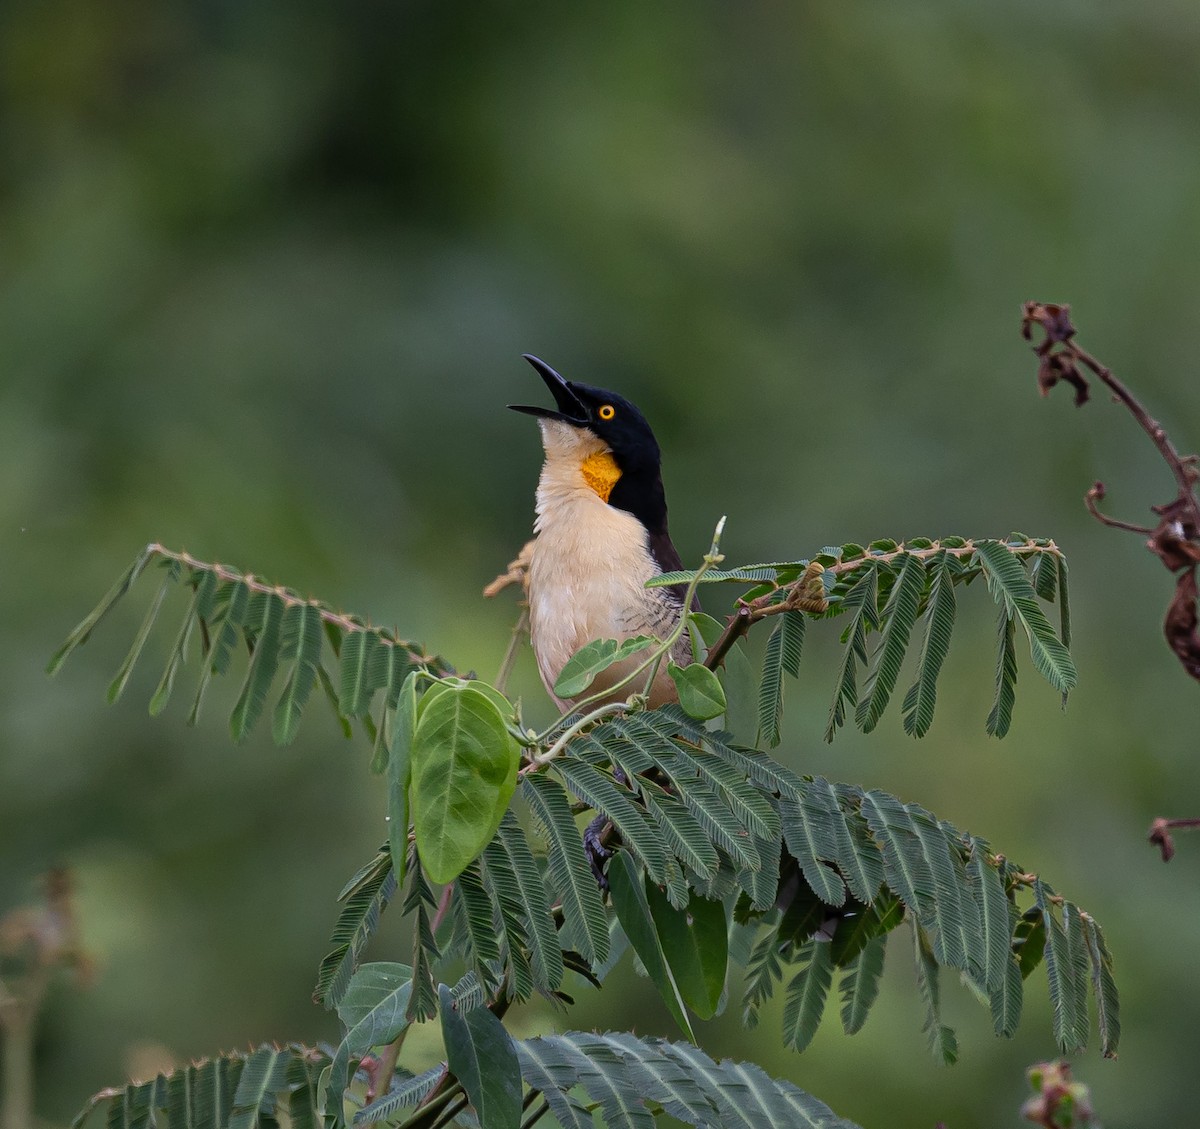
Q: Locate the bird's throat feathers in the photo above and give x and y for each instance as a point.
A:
(580, 467)
(578, 463)
(600, 472)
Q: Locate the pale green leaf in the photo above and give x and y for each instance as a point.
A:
(700, 693)
(581, 668)
(464, 771)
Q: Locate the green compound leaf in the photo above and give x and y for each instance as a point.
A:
(1009, 582)
(585, 926)
(583, 666)
(302, 642)
(804, 1002)
(898, 618)
(464, 772)
(860, 985)
(920, 700)
(266, 620)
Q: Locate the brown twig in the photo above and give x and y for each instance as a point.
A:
(1096, 494)
(1160, 834)
(1175, 540)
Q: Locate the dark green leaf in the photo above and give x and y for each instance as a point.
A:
(482, 1055)
(905, 865)
(942, 1040)
(603, 794)
(265, 619)
(695, 942)
(366, 896)
(84, 629)
(301, 646)
(921, 699)
(628, 890)
(205, 587)
(235, 599)
(477, 921)
(749, 575)
(375, 1012)
(1008, 580)
(534, 904)
(1108, 1004)
(860, 602)
(1000, 717)
(399, 773)
(356, 668)
(897, 619)
(403, 1093)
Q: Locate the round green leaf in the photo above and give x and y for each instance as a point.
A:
(464, 771)
(700, 691)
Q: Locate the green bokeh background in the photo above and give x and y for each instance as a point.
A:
(265, 274)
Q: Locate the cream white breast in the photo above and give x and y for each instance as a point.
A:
(589, 568)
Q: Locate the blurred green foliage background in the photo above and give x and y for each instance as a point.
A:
(265, 273)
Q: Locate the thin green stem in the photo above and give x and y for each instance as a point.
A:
(541, 759)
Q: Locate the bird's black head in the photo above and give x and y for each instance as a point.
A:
(632, 479)
(608, 416)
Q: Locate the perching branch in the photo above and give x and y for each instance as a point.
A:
(1175, 540)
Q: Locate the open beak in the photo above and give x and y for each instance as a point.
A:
(570, 408)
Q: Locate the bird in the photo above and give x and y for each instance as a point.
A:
(601, 533)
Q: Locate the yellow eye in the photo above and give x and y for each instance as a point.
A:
(607, 412)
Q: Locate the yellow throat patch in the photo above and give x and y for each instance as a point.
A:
(600, 472)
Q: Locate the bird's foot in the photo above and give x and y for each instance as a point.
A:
(595, 850)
